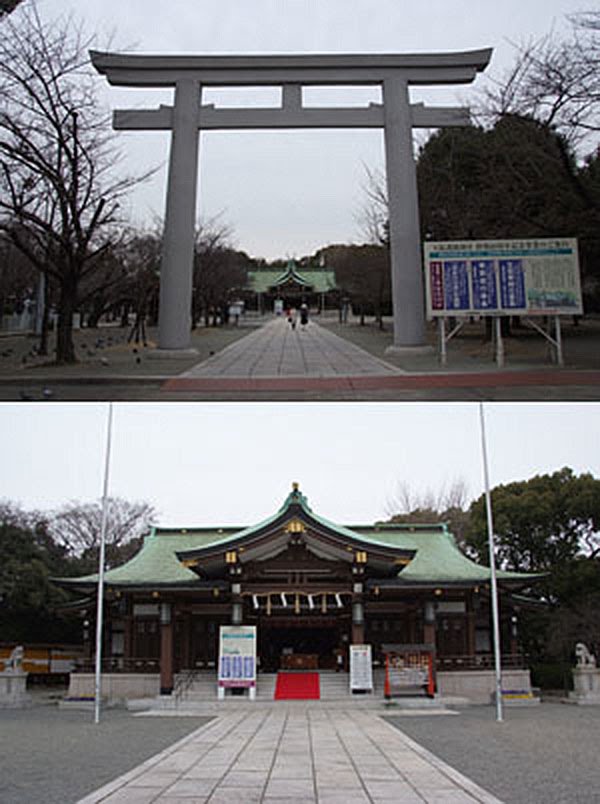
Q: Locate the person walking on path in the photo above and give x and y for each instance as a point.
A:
(303, 315)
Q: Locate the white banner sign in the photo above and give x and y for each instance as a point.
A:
(503, 277)
(361, 667)
(237, 656)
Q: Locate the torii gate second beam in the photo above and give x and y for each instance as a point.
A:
(188, 74)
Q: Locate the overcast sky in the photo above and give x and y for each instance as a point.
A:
(235, 463)
(290, 192)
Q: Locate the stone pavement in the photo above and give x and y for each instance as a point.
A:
(276, 359)
(277, 350)
(290, 755)
(263, 359)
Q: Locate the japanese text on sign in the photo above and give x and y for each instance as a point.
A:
(529, 277)
(237, 656)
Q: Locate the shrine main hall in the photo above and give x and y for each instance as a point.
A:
(312, 589)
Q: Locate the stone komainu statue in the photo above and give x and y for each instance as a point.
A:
(14, 664)
(584, 657)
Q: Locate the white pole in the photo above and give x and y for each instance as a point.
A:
(494, 586)
(99, 605)
(499, 341)
(559, 352)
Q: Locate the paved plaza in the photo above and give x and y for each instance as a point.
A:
(294, 754)
(301, 751)
(265, 359)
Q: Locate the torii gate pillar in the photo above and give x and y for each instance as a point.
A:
(174, 312)
(396, 115)
(403, 211)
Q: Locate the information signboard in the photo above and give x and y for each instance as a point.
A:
(361, 668)
(408, 668)
(503, 277)
(237, 656)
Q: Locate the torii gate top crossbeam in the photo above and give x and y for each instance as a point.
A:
(307, 69)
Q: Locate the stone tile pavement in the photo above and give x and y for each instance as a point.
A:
(277, 350)
(276, 360)
(293, 755)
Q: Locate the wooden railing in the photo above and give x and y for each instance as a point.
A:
(183, 681)
(481, 661)
(120, 665)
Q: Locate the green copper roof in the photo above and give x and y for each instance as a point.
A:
(320, 280)
(436, 558)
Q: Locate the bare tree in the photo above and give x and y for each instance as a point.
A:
(59, 188)
(447, 504)
(219, 270)
(555, 81)
(77, 527)
(405, 500)
(6, 6)
(374, 214)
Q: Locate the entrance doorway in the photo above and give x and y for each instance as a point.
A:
(286, 644)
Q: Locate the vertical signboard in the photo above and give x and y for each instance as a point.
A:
(503, 277)
(409, 669)
(361, 668)
(237, 656)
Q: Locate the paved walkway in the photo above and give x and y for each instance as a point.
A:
(291, 755)
(277, 359)
(277, 350)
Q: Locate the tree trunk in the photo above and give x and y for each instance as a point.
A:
(65, 348)
(43, 346)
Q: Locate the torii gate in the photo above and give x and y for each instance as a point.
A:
(396, 115)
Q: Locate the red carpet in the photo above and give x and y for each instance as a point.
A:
(297, 686)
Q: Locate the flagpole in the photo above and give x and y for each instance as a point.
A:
(494, 585)
(101, 561)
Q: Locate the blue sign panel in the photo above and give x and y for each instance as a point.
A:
(485, 296)
(512, 285)
(456, 285)
(225, 667)
(237, 664)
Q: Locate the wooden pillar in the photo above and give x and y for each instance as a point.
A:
(470, 626)
(186, 636)
(166, 649)
(128, 630)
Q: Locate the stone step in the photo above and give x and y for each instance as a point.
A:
(334, 687)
